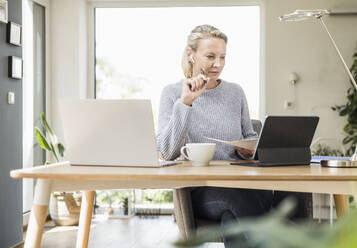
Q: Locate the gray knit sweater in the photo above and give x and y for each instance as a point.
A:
(220, 113)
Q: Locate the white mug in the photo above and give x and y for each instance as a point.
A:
(199, 153)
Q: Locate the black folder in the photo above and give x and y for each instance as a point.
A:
(284, 140)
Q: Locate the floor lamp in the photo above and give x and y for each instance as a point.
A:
(300, 15)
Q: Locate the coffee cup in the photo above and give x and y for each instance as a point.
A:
(199, 153)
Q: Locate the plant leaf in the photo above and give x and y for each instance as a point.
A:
(48, 129)
(61, 149)
(273, 231)
(53, 149)
(45, 124)
(345, 232)
(42, 141)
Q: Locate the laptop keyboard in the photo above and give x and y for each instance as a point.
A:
(168, 163)
(262, 164)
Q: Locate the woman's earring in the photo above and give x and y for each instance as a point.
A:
(192, 60)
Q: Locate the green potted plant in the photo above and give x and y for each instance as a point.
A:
(51, 144)
(124, 202)
(64, 207)
(349, 109)
(324, 150)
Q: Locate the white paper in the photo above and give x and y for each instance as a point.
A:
(245, 143)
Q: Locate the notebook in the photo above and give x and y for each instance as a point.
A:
(110, 133)
(317, 159)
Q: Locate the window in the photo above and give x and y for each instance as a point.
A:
(138, 52)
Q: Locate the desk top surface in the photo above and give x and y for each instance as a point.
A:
(217, 170)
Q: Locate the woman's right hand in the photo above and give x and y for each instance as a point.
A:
(193, 88)
(247, 153)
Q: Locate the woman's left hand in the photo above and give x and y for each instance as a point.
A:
(245, 152)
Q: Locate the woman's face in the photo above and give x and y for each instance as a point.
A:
(209, 57)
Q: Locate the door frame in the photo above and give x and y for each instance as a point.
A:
(48, 107)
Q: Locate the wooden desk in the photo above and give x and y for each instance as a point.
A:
(63, 177)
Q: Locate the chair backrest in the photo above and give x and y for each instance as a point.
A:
(257, 126)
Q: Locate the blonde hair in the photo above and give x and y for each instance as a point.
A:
(197, 34)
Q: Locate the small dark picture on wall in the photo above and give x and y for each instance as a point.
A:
(15, 67)
(14, 33)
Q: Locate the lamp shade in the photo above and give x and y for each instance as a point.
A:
(300, 15)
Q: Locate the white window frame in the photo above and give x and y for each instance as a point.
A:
(92, 4)
(47, 6)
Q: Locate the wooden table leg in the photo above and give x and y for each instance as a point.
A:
(38, 214)
(85, 219)
(341, 204)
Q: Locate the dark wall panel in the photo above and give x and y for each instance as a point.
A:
(10, 138)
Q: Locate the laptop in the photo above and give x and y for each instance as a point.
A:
(110, 133)
(284, 140)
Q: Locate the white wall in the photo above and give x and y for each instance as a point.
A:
(69, 53)
(301, 47)
(304, 48)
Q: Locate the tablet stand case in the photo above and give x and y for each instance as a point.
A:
(293, 133)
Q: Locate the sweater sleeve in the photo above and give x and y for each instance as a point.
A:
(173, 124)
(247, 127)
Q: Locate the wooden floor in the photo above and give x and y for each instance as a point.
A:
(136, 232)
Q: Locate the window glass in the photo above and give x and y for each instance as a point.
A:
(138, 50)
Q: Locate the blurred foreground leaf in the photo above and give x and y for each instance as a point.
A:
(275, 231)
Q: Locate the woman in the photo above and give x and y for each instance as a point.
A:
(202, 105)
